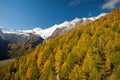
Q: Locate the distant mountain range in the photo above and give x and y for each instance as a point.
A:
(18, 41)
(46, 33)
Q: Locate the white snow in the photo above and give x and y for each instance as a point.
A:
(45, 33)
(99, 16)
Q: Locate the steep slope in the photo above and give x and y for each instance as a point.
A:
(17, 41)
(88, 52)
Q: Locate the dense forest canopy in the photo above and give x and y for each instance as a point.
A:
(88, 52)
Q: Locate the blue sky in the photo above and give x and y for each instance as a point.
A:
(28, 14)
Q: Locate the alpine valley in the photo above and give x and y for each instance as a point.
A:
(82, 49)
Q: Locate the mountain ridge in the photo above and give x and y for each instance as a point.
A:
(46, 33)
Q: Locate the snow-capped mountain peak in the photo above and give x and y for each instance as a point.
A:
(45, 33)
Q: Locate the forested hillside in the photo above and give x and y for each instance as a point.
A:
(89, 52)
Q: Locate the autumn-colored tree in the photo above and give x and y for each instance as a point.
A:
(88, 52)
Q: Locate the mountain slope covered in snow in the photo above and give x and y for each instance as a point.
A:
(46, 33)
